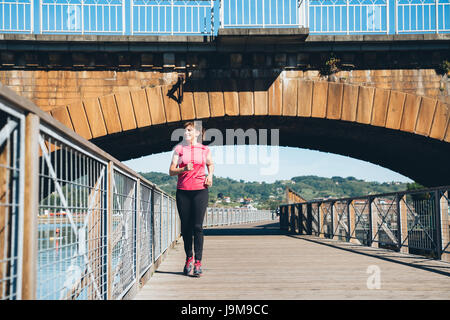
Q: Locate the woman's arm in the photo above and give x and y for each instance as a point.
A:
(210, 166)
(173, 170)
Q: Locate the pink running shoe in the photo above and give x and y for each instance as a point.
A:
(188, 266)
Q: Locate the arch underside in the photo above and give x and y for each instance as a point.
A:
(417, 157)
(406, 133)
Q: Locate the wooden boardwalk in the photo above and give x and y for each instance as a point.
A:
(258, 261)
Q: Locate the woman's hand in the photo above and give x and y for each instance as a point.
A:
(189, 166)
(209, 181)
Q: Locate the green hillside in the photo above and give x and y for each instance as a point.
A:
(270, 195)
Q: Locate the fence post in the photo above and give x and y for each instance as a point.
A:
(309, 219)
(300, 219)
(138, 231)
(222, 15)
(373, 223)
(347, 5)
(438, 224)
(351, 222)
(320, 220)
(396, 15)
(109, 217)
(437, 15)
(402, 221)
(31, 205)
(445, 237)
(334, 221)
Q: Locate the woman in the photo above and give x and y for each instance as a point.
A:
(188, 162)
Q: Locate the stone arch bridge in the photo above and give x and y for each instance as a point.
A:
(404, 132)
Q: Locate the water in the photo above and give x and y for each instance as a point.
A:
(59, 265)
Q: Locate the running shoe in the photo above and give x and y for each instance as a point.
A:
(197, 268)
(188, 266)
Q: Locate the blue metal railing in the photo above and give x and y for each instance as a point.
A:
(205, 17)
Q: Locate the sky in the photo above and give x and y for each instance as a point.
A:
(280, 165)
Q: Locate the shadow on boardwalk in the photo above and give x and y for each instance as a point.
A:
(246, 230)
(268, 229)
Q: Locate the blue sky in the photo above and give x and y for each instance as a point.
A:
(292, 162)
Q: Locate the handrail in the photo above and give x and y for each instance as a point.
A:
(411, 221)
(205, 17)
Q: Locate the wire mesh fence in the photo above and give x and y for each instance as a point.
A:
(71, 221)
(216, 216)
(146, 228)
(123, 233)
(11, 201)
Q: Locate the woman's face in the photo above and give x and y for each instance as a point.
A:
(190, 133)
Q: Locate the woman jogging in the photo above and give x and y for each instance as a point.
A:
(188, 162)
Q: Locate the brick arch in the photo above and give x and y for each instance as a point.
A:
(125, 111)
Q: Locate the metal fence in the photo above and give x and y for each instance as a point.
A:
(229, 216)
(261, 13)
(11, 200)
(415, 222)
(89, 220)
(205, 17)
(172, 17)
(348, 16)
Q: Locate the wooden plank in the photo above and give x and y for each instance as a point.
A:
(126, 111)
(62, 115)
(216, 99)
(290, 97)
(171, 106)
(395, 109)
(276, 97)
(201, 100)
(425, 117)
(95, 117)
(156, 105)
(140, 106)
(349, 102)
(231, 97)
(187, 106)
(380, 105)
(261, 97)
(79, 120)
(306, 266)
(246, 104)
(365, 103)
(305, 97)
(440, 121)
(110, 113)
(319, 102)
(334, 100)
(447, 135)
(410, 112)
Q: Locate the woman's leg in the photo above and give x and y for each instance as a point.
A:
(199, 205)
(184, 205)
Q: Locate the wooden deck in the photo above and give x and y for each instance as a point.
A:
(258, 261)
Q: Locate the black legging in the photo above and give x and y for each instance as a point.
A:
(192, 206)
